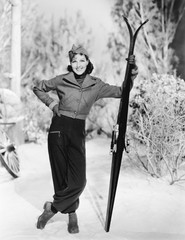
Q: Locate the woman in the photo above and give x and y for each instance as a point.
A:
(77, 91)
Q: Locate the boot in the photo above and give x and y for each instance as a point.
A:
(73, 223)
(45, 216)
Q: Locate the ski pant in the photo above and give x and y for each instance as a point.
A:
(66, 147)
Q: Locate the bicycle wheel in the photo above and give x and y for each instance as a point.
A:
(8, 155)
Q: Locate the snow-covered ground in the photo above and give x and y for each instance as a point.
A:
(145, 208)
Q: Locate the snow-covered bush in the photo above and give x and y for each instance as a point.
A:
(10, 106)
(157, 133)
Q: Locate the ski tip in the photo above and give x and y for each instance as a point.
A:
(145, 21)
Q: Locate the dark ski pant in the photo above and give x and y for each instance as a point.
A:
(66, 147)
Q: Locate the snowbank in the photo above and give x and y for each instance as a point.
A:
(145, 208)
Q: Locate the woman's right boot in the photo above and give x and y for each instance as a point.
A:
(45, 216)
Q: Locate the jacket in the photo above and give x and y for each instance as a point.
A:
(75, 101)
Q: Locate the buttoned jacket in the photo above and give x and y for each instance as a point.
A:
(75, 100)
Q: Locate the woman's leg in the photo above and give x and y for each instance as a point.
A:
(58, 161)
(68, 165)
(66, 198)
(58, 155)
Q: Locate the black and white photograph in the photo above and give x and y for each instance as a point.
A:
(92, 119)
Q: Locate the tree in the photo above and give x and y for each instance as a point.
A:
(16, 46)
(5, 37)
(153, 47)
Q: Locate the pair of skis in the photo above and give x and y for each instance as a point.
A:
(119, 131)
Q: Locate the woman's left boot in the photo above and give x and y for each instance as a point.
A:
(45, 216)
(73, 223)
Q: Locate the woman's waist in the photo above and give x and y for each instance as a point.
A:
(64, 123)
(73, 114)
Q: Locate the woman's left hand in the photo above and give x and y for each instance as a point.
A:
(131, 59)
(134, 70)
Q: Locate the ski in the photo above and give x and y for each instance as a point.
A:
(119, 131)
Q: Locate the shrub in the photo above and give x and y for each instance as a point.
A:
(157, 133)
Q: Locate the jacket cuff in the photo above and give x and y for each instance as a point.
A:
(52, 104)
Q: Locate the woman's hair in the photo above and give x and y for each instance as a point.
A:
(88, 70)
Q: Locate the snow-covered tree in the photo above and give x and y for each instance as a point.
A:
(5, 37)
(153, 46)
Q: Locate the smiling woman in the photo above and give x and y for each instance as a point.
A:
(77, 91)
(79, 64)
(79, 60)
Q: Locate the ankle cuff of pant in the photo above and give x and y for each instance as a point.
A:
(53, 209)
(71, 212)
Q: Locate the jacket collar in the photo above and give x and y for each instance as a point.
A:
(86, 83)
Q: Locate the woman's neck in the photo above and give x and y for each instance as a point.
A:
(81, 76)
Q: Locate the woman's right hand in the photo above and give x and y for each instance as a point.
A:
(56, 110)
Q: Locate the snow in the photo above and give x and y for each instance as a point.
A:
(144, 209)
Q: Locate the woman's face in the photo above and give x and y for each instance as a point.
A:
(79, 64)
